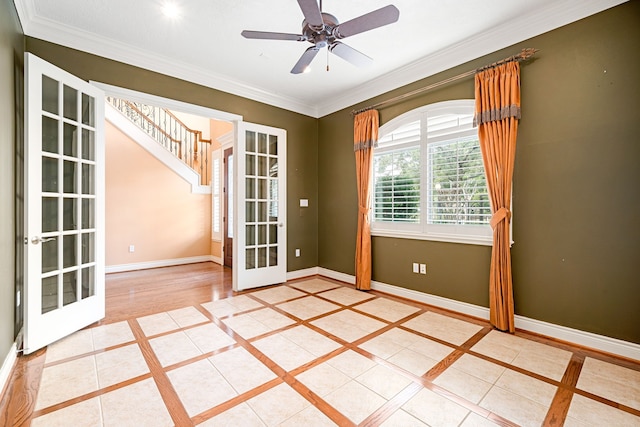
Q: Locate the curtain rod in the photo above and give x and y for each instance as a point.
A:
(522, 56)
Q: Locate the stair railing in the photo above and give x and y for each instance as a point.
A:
(163, 126)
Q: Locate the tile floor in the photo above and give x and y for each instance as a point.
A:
(317, 353)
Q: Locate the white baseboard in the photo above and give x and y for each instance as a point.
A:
(155, 264)
(298, 274)
(575, 336)
(7, 367)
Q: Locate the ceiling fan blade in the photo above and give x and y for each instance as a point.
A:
(311, 12)
(349, 54)
(266, 35)
(368, 21)
(305, 60)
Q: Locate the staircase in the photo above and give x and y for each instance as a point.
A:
(165, 128)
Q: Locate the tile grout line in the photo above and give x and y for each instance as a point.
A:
(282, 374)
(169, 396)
(559, 408)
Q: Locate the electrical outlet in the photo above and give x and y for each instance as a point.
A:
(423, 268)
(297, 252)
(132, 248)
(415, 267)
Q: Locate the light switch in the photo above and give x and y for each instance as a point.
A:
(304, 203)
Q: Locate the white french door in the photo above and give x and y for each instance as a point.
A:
(260, 220)
(64, 204)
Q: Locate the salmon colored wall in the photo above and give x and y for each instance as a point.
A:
(151, 207)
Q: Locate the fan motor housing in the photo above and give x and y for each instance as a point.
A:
(324, 36)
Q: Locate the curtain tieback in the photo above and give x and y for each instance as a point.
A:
(499, 216)
(363, 210)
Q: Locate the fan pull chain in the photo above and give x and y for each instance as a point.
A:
(327, 57)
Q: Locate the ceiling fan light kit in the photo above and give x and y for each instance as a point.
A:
(324, 30)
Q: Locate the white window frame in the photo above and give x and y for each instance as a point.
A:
(458, 233)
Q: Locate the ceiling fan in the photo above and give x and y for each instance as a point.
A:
(323, 30)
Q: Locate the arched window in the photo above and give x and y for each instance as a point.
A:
(428, 177)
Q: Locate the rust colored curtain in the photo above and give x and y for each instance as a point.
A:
(365, 138)
(497, 113)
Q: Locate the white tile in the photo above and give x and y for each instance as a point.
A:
(278, 294)
(351, 363)
(355, 401)
(233, 305)
(120, 364)
(78, 343)
(390, 342)
(271, 318)
(174, 348)
(187, 316)
(66, 381)
(155, 324)
(278, 404)
(200, 386)
(348, 325)
(241, 369)
(435, 410)
(309, 417)
(138, 404)
(308, 307)
(323, 379)
(475, 420)
(528, 387)
(610, 381)
(315, 343)
(589, 412)
(209, 337)
(416, 363)
(431, 349)
(402, 419)
(257, 322)
(239, 415)
(446, 328)
(514, 407)
(479, 368)
(284, 352)
(246, 326)
(112, 334)
(84, 414)
(462, 384)
(346, 296)
(314, 285)
(383, 381)
(387, 309)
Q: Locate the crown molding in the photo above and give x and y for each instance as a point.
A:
(518, 30)
(522, 28)
(45, 29)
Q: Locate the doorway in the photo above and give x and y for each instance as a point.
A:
(228, 208)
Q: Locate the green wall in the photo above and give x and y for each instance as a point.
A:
(576, 202)
(11, 52)
(302, 140)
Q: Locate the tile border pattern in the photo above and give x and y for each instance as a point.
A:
(556, 415)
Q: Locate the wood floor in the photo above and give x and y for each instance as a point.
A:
(575, 394)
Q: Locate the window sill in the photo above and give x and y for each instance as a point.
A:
(469, 240)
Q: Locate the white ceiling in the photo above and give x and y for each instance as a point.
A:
(204, 44)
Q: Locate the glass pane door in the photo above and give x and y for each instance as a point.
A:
(261, 227)
(64, 264)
